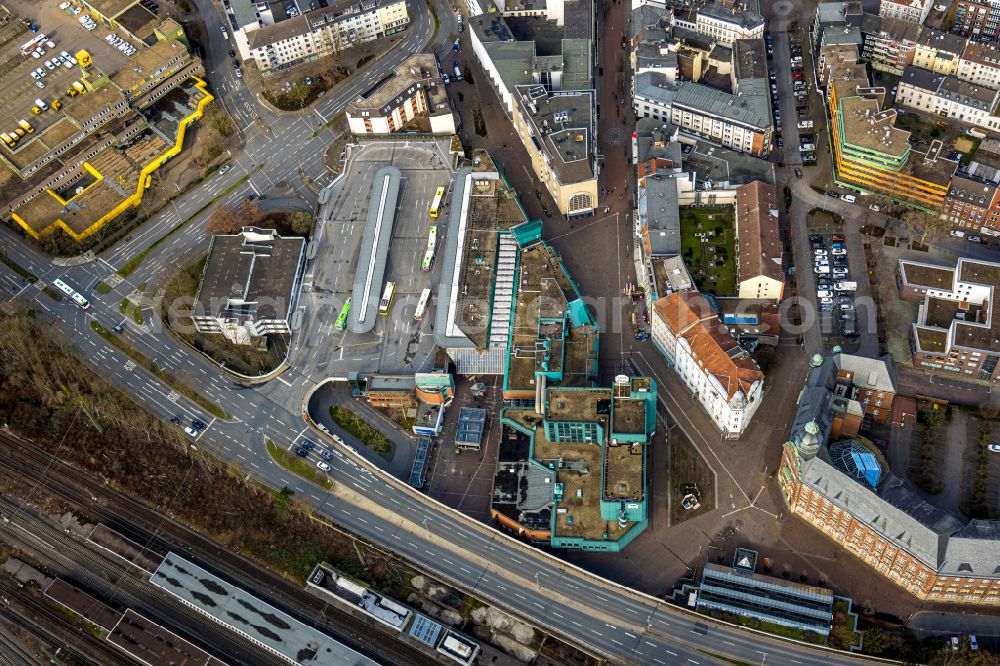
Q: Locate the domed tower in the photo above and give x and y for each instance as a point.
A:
(816, 360)
(810, 442)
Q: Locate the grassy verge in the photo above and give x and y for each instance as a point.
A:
(728, 660)
(355, 425)
(53, 294)
(17, 268)
(164, 376)
(132, 264)
(131, 310)
(298, 466)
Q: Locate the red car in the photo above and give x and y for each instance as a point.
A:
(797, 76)
(837, 239)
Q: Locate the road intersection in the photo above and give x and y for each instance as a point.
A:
(611, 621)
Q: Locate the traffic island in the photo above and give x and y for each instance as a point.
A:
(298, 466)
(354, 424)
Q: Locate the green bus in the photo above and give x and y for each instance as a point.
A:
(342, 318)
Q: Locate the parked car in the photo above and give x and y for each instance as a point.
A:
(838, 238)
(838, 251)
(798, 172)
(975, 239)
(833, 194)
(824, 293)
(957, 233)
(874, 207)
(840, 272)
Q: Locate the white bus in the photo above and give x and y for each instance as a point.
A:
(386, 302)
(72, 293)
(425, 297)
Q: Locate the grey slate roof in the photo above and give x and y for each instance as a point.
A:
(924, 79)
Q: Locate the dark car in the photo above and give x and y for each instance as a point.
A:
(641, 336)
(301, 453)
(781, 142)
(252, 196)
(232, 53)
(198, 424)
(798, 172)
(307, 445)
(833, 194)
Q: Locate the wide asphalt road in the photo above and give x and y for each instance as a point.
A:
(611, 621)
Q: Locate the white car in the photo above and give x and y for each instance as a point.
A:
(40, 84)
(191, 431)
(838, 251)
(957, 233)
(36, 55)
(35, 75)
(123, 47)
(840, 272)
(50, 44)
(239, 73)
(67, 64)
(49, 65)
(824, 293)
(323, 466)
(874, 208)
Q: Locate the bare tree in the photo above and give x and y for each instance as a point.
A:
(223, 220)
(925, 224)
(250, 214)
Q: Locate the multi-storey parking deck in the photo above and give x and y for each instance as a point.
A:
(374, 251)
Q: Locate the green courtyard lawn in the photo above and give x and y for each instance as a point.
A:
(711, 258)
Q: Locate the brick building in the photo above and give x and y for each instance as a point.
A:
(841, 486)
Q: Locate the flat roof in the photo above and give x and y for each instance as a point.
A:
(563, 129)
(250, 616)
(152, 643)
(368, 283)
(866, 126)
(250, 274)
(111, 8)
(416, 72)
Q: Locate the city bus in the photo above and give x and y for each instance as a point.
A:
(436, 203)
(425, 265)
(425, 297)
(72, 293)
(342, 318)
(386, 302)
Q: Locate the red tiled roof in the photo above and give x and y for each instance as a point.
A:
(689, 316)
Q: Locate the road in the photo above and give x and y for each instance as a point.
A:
(614, 622)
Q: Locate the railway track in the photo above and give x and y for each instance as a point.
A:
(158, 533)
(74, 643)
(118, 586)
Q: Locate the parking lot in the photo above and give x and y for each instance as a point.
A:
(834, 288)
(398, 343)
(801, 86)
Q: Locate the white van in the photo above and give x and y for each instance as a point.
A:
(849, 198)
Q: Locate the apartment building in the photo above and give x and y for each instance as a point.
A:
(973, 202)
(914, 11)
(980, 64)
(706, 357)
(725, 21)
(955, 331)
(314, 34)
(948, 96)
(413, 91)
(759, 251)
(977, 18)
(840, 484)
(250, 284)
(939, 51)
(740, 120)
(890, 48)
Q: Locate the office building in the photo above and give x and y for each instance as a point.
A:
(706, 357)
(840, 484)
(413, 91)
(250, 284)
(573, 469)
(914, 11)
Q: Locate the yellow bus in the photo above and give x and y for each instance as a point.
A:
(386, 302)
(436, 203)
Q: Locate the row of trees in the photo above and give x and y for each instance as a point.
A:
(226, 220)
